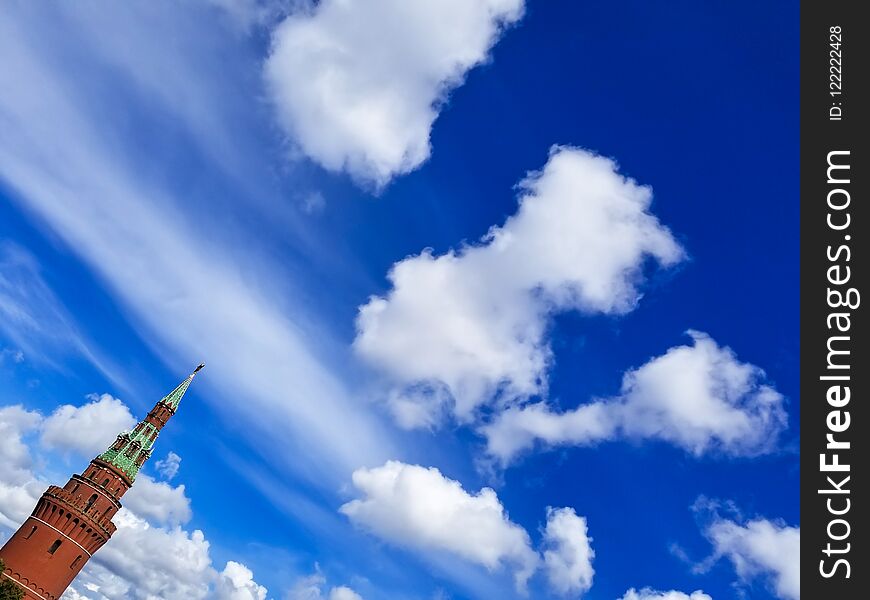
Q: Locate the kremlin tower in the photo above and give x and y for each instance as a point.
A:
(72, 522)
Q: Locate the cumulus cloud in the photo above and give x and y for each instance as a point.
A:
(698, 397)
(236, 582)
(343, 593)
(87, 429)
(143, 562)
(359, 85)
(650, 594)
(19, 489)
(760, 548)
(419, 508)
(460, 329)
(158, 501)
(150, 556)
(168, 467)
(15, 457)
(568, 552)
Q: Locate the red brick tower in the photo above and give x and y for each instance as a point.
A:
(70, 523)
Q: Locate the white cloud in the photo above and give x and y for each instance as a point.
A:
(87, 429)
(144, 562)
(568, 552)
(761, 548)
(17, 501)
(343, 593)
(19, 489)
(470, 325)
(699, 398)
(15, 458)
(650, 594)
(419, 508)
(312, 588)
(359, 85)
(236, 582)
(168, 467)
(144, 559)
(158, 501)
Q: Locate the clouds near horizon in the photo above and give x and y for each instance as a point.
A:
(88, 429)
(150, 555)
(650, 594)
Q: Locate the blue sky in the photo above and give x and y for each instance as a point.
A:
(215, 181)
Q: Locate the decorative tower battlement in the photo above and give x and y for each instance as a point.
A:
(70, 523)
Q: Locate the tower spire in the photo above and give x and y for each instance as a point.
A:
(132, 448)
(174, 397)
(72, 522)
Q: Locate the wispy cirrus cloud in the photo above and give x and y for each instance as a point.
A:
(65, 157)
(35, 321)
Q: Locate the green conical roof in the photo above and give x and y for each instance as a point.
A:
(174, 397)
(131, 449)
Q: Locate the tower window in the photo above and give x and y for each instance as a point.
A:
(32, 531)
(54, 547)
(76, 561)
(75, 488)
(91, 501)
(105, 483)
